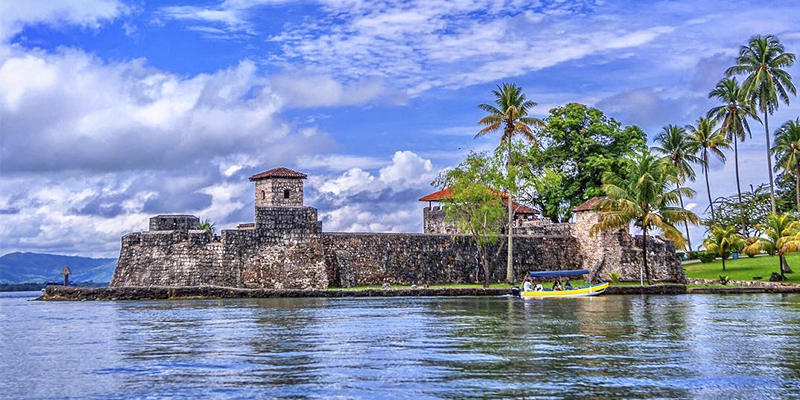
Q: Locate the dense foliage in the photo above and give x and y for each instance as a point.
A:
(578, 145)
(475, 208)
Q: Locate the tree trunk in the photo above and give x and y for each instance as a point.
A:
(797, 185)
(769, 164)
(510, 260)
(708, 189)
(644, 257)
(485, 262)
(723, 262)
(783, 275)
(685, 223)
(738, 185)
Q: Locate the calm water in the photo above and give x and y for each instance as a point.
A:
(724, 347)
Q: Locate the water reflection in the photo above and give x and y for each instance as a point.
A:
(744, 346)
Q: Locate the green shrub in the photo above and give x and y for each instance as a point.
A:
(614, 276)
(706, 257)
(724, 279)
(693, 255)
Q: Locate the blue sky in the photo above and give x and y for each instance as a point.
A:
(112, 111)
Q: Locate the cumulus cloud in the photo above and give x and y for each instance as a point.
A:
(381, 201)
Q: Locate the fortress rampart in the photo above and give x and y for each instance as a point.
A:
(286, 249)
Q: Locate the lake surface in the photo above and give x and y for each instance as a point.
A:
(691, 346)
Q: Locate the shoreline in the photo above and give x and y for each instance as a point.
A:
(61, 293)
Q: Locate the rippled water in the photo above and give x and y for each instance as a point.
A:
(692, 346)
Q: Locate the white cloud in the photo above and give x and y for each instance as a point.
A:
(318, 90)
(341, 162)
(386, 201)
(128, 115)
(15, 14)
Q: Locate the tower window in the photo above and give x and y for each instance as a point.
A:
(286, 193)
(263, 195)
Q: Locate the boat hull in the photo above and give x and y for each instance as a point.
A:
(593, 290)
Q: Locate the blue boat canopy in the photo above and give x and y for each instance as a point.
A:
(555, 274)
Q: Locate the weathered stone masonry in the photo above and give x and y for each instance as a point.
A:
(285, 248)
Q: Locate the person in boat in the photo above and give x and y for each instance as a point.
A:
(557, 285)
(567, 285)
(526, 284)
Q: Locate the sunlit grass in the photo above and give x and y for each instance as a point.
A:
(744, 269)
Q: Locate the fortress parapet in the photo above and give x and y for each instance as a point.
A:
(183, 223)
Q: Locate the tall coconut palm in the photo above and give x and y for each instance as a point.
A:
(679, 153)
(787, 152)
(510, 113)
(764, 62)
(779, 234)
(732, 115)
(707, 140)
(722, 241)
(642, 192)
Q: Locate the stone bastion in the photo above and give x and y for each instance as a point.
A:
(285, 248)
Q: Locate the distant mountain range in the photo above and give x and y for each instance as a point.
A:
(37, 267)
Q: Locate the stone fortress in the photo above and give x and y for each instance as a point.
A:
(285, 248)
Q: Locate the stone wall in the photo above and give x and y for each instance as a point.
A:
(174, 222)
(282, 251)
(403, 258)
(618, 251)
(271, 192)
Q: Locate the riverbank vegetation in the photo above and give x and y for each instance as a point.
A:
(577, 153)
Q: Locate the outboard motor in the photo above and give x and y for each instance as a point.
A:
(515, 291)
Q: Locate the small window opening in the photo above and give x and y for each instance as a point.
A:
(286, 193)
(263, 195)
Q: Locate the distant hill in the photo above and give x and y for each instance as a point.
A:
(37, 267)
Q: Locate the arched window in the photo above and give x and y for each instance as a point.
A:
(263, 195)
(286, 193)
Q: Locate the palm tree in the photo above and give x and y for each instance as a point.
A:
(733, 114)
(510, 112)
(209, 226)
(679, 153)
(722, 241)
(779, 235)
(706, 140)
(764, 61)
(787, 152)
(641, 192)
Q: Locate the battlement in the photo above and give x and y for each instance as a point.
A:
(183, 223)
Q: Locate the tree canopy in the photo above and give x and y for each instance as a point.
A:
(579, 144)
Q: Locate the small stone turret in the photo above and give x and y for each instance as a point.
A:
(279, 187)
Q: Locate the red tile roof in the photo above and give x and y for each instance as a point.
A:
(279, 173)
(590, 204)
(446, 193)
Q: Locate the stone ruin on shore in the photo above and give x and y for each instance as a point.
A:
(285, 248)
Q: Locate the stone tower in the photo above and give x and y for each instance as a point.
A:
(279, 187)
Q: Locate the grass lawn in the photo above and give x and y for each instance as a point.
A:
(744, 269)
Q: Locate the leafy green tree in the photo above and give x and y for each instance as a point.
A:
(679, 153)
(209, 226)
(706, 140)
(787, 152)
(732, 116)
(510, 112)
(549, 197)
(779, 230)
(642, 192)
(764, 62)
(747, 213)
(723, 240)
(475, 208)
(581, 143)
